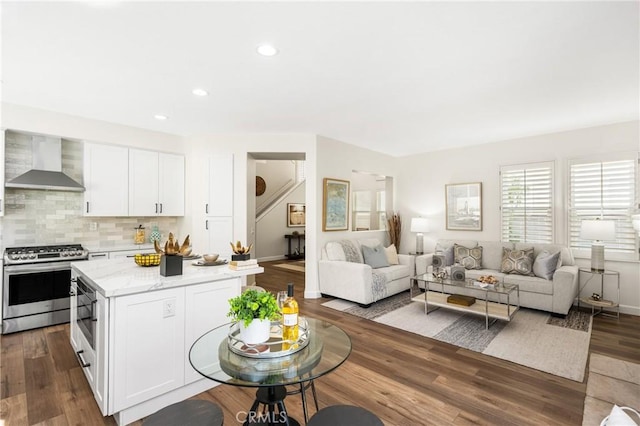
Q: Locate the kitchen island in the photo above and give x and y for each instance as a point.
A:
(132, 328)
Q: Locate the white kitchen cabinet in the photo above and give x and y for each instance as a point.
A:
(2, 172)
(149, 337)
(220, 234)
(106, 179)
(220, 186)
(219, 205)
(101, 367)
(156, 183)
(206, 308)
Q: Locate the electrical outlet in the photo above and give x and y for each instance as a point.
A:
(169, 308)
(93, 226)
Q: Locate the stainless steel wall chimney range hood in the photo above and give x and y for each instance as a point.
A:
(46, 172)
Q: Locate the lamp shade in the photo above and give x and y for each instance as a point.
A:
(419, 224)
(598, 230)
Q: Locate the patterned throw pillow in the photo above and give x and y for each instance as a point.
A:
(517, 261)
(470, 258)
(447, 252)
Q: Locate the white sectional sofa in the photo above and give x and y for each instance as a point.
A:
(354, 281)
(555, 295)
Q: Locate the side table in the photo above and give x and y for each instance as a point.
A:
(298, 253)
(602, 303)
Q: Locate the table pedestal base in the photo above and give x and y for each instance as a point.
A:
(274, 411)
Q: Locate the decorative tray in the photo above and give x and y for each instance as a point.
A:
(272, 348)
(216, 263)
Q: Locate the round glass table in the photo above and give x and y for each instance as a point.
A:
(328, 347)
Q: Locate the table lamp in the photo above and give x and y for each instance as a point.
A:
(597, 230)
(419, 225)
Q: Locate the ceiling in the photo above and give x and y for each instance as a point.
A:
(395, 77)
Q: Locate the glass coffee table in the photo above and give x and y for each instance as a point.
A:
(494, 302)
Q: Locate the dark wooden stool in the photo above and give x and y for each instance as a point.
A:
(190, 412)
(344, 415)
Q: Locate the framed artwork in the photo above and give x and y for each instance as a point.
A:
(296, 215)
(464, 206)
(335, 205)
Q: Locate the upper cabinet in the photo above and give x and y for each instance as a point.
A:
(156, 183)
(106, 179)
(220, 191)
(2, 172)
(123, 181)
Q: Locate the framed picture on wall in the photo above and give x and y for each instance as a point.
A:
(296, 215)
(335, 205)
(464, 206)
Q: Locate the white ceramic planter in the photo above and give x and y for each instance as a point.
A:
(257, 331)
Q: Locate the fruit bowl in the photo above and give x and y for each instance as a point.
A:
(147, 259)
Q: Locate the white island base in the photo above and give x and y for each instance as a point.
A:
(143, 326)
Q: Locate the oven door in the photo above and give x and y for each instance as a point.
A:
(35, 288)
(86, 311)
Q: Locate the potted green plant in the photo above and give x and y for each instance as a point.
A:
(254, 310)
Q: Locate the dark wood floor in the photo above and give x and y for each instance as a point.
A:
(404, 378)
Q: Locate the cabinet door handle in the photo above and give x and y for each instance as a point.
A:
(156, 208)
(206, 225)
(83, 364)
(206, 208)
(160, 207)
(93, 256)
(87, 207)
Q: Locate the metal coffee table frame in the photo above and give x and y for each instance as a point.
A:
(492, 310)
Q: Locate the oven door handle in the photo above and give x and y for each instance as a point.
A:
(26, 269)
(83, 364)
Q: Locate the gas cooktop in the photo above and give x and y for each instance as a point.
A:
(40, 254)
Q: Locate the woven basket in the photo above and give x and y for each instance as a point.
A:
(147, 259)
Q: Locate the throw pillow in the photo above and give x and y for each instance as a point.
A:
(546, 264)
(447, 252)
(470, 258)
(517, 261)
(375, 256)
(392, 255)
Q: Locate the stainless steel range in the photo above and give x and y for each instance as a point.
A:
(36, 283)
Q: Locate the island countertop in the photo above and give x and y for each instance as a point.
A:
(119, 277)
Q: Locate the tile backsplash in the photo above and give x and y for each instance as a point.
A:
(55, 217)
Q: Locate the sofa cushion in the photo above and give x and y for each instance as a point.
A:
(530, 284)
(335, 251)
(447, 252)
(375, 257)
(469, 257)
(394, 272)
(546, 264)
(516, 261)
(492, 253)
(392, 255)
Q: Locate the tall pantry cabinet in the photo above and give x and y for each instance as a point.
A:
(219, 204)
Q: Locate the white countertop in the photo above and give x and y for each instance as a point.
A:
(119, 277)
(121, 247)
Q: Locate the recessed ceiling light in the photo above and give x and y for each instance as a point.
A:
(160, 117)
(199, 92)
(267, 50)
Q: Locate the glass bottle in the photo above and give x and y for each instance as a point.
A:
(289, 320)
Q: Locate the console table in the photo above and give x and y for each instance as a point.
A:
(298, 253)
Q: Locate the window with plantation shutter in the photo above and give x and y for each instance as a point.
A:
(604, 189)
(527, 202)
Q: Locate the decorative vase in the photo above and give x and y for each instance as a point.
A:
(154, 235)
(257, 331)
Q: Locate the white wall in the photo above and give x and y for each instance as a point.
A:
(277, 174)
(337, 160)
(422, 178)
(271, 228)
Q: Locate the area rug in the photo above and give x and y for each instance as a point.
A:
(292, 266)
(533, 338)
